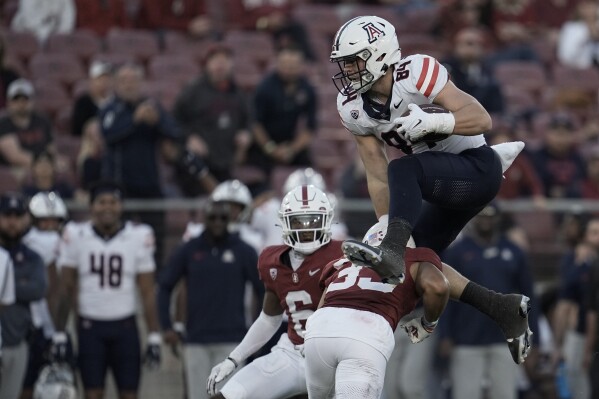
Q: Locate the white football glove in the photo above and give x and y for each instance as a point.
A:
(219, 373)
(416, 331)
(418, 123)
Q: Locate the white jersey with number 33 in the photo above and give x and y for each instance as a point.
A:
(418, 79)
(107, 268)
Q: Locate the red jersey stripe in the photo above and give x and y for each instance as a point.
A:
(423, 73)
(431, 84)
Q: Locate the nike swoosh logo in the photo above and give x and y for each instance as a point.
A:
(313, 272)
(398, 104)
(352, 43)
(419, 122)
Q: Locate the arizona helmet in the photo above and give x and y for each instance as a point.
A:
(371, 39)
(305, 176)
(236, 192)
(56, 381)
(47, 205)
(306, 216)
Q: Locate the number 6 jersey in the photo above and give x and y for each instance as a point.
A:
(107, 268)
(417, 79)
(298, 290)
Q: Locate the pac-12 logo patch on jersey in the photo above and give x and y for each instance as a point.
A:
(373, 32)
(354, 113)
(273, 273)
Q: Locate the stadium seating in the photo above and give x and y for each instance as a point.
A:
(82, 43)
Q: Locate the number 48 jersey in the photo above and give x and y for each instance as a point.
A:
(417, 79)
(107, 268)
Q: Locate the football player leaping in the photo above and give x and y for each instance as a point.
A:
(456, 176)
(102, 262)
(291, 274)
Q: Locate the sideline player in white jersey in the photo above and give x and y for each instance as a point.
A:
(48, 212)
(102, 263)
(449, 173)
(290, 274)
(349, 339)
(239, 198)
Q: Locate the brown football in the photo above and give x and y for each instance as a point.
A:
(431, 109)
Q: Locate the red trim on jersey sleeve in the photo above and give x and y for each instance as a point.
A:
(431, 84)
(423, 74)
(422, 254)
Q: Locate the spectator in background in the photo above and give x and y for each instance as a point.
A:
(101, 15)
(514, 44)
(551, 15)
(214, 114)
(558, 162)
(133, 128)
(590, 185)
(89, 103)
(571, 310)
(44, 178)
(7, 74)
(43, 18)
(189, 16)
(7, 293)
(30, 285)
(253, 15)
(484, 255)
(591, 360)
(91, 153)
(285, 107)
(287, 32)
(216, 266)
(23, 132)
(471, 73)
(577, 45)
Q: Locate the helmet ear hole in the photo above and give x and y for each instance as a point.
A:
(382, 57)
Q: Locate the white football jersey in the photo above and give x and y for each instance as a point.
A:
(246, 233)
(418, 79)
(107, 268)
(45, 244)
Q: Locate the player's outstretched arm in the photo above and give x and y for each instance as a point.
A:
(433, 288)
(260, 332)
(373, 155)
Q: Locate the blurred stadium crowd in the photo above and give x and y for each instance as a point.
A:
(172, 97)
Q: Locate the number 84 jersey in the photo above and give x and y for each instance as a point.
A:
(417, 79)
(107, 267)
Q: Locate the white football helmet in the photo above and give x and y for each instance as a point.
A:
(372, 39)
(306, 216)
(56, 381)
(304, 177)
(234, 191)
(47, 205)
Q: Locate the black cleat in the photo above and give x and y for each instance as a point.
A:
(387, 263)
(516, 330)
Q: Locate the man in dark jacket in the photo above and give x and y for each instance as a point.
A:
(30, 285)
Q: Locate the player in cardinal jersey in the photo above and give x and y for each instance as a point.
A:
(102, 263)
(455, 176)
(350, 337)
(48, 212)
(291, 274)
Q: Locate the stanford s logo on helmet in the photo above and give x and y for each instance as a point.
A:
(369, 39)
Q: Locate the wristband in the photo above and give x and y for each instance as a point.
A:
(444, 123)
(269, 147)
(428, 326)
(154, 338)
(233, 361)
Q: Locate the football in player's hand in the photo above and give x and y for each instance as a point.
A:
(431, 109)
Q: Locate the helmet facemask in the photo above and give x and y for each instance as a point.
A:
(306, 232)
(359, 81)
